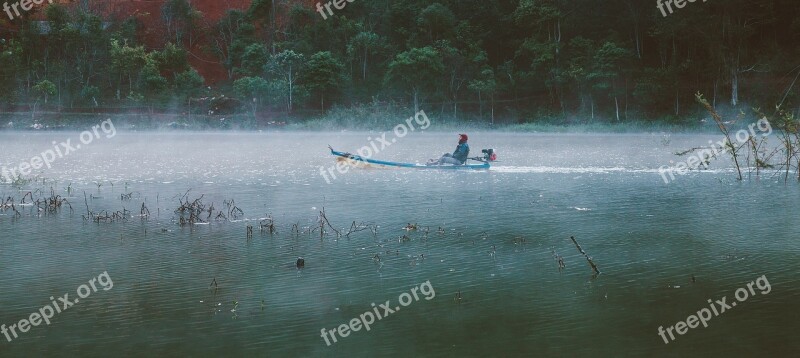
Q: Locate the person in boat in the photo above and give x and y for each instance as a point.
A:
(459, 156)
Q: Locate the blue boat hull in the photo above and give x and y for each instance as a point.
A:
(358, 158)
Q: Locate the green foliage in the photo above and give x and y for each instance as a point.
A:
(189, 83)
(253, 89)
(565, 60)
(154, 83)
(128, 30)
(362, 46)
(323, 75)
(45, 89)
(651, 86)
(10, 57)
(417, 70)
(127, 60)
(606, 68)
(485, 83)
(230, 37)
(135, 97)
(437, 20)
(260, 10)
(180, 18)
(285, 67)
(253, 60)
(172, 59)
(89, 95)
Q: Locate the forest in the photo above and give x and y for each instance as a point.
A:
(491, 61)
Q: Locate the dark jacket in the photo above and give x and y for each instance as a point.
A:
(462, 152)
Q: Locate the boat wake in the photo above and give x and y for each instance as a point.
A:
(590, 170)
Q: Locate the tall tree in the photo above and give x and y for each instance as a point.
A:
(417, 70)
(323, 75)
(286, 65)
(180, 19)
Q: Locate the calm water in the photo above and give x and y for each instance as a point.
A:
(498, 232)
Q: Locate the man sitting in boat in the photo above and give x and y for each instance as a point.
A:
(459, 156)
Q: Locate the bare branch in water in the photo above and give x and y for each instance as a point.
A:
(589, 259)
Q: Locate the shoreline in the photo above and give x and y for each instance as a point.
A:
(341, 120)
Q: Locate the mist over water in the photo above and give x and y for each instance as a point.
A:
(499, 229)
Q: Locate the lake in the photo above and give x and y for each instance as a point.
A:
(485, 248)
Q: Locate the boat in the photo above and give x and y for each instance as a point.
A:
(358, 160)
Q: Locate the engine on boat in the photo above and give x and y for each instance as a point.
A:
(489, 155)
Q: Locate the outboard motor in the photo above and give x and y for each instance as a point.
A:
(489, 155)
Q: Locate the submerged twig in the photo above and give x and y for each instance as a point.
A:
(323, 220)
(588, 259)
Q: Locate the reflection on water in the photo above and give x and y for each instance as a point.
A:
(488, 240)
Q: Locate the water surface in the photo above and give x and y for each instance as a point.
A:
(499, 229)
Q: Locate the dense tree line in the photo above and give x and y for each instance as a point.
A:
(510, 60)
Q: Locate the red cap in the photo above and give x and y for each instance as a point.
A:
(463, 137)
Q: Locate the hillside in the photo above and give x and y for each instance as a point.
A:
(512, 61)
